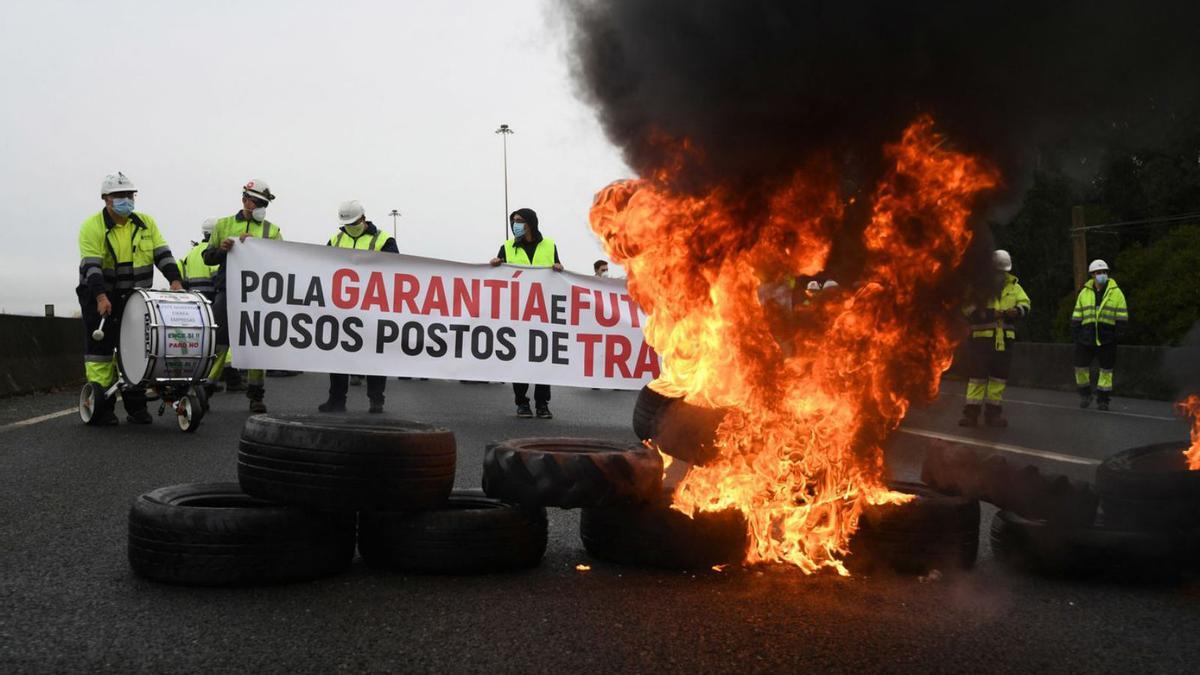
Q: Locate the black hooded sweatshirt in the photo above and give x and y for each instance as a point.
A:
(531, 221)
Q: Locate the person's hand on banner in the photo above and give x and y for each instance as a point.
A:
(558, 267)
(176, 285)
(242, 236)
(226, 244)
(494, 262)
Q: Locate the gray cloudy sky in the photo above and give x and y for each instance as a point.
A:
(391, 103)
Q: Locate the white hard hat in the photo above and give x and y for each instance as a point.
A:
(1097, 265)
(813, 285)
(206, 228)
(116, 182)
(257, 187)
(1003, 260)
(829, 284)
(349, 212)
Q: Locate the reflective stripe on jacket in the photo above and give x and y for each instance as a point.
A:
(1103, 316)
(106, 265)
(543, 255)
(988, 323)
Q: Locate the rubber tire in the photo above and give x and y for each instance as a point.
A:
(346, 463)
(571, 472)
(933, 531)
(213, 534)
(197, 415)
(679, 429)
(655, 535)
(1149, 487)
(97, 396)
(470, 534)
(1093, 551)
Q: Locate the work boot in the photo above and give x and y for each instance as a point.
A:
(523, 410)
(105, 417)
(255, 393)
(993, 416)
(970, 416)
(1085, 399)
(543, 411)
(376, 407)
(140, 416)
(356, 380)
(333, 405)
(1102, 403)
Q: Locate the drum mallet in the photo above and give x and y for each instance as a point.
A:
(98, 334)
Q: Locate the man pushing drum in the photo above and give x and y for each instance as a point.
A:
(118, 250)
(251, 221)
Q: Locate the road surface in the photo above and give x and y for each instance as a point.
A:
(68, 601)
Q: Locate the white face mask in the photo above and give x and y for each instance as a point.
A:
(259, 214)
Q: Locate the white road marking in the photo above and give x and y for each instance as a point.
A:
(1002, 447)
(35, 420)
(1098, 412)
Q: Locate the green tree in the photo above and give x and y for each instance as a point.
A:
(1161, 281)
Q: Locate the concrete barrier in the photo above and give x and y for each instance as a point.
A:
(39, 353)
(1140, 371)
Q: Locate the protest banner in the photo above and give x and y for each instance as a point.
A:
(322, 309)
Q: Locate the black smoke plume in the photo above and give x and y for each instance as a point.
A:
(759, 86)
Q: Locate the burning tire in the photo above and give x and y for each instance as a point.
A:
(656, 535)
(213, 534)
(571, 472)
(680, 429)
(1088, 551)
(1150, 487)
(933, 531)
(1021, 489)
(470, 534)
(346, 463)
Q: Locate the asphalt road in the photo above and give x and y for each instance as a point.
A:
(68, 602)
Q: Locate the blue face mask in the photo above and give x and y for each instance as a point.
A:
(123, 206)
(1101, 279)
(518, 230)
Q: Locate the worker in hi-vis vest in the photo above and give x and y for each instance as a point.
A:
(1100, 316)
(197, 274)
(250, 221)
(360, 234)
(118, 251)
(528, 247)
(989, 353)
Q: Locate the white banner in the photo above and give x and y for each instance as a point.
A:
(322, 309)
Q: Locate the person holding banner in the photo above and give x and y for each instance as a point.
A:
(251, 221)
(529, 247)
(359, 234)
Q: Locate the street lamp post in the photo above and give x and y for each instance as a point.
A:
(395, 229)
(505, 131)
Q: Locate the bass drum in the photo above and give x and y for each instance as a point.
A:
(166, 336)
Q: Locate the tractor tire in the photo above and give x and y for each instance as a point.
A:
(571, 472)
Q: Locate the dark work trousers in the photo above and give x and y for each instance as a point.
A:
(987, 371)
(101, 351)
(1107, 355)
(541, 393)
(339, 384)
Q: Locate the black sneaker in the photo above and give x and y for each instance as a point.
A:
(376, 407)
(543, 412)
(1102, 405)
(356, 380)
(1085, 401)
(524, 411)
(105, 418)
(139, 417)
(332, 406)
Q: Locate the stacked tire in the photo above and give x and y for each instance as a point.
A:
(309, 488)
(1147, 527)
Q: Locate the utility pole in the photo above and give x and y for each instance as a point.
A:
(1079, 246)
(395, 229)
(505, 131)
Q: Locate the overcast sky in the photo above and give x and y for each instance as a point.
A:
(390, 103)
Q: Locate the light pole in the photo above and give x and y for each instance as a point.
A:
(505, 131)
(395, 230)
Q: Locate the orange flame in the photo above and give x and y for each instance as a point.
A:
(800, 450)
(1190, 407)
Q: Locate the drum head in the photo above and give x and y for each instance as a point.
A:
(132, 345)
